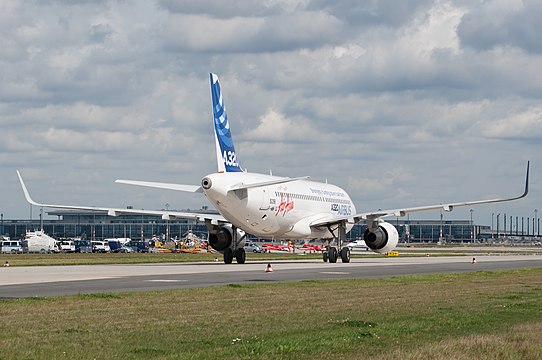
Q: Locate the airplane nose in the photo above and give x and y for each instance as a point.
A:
(206, 183)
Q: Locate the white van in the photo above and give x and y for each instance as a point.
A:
(100, 246)
(11, 246)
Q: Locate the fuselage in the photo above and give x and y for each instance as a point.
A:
(279, 211)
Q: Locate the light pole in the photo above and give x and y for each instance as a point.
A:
(440, 233)
(498, 235)
(511, 225)
(536, 217)
(492, 231)
(167, 224)
(472, 226)
(504, 227)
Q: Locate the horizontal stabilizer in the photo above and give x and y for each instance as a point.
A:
(165, 214)
(266, 183)
(159, 185)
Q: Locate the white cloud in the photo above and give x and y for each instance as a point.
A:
(275, 127)
(524, 125)
(199, 33)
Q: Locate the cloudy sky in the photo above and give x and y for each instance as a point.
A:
(402, 103)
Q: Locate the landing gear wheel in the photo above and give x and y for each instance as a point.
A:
(240, 255)
(332, 254)
(324, 256)
(345, 255)
(228, 256)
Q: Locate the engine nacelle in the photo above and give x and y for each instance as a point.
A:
(222, 238)
(384, 239)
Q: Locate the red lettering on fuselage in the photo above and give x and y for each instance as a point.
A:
(285, 205)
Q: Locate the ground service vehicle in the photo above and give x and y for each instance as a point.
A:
(11, 247)
(39, 242)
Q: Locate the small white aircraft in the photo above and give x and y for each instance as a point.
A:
(274, 207)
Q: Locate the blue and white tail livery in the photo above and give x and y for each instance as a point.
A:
(225, 151)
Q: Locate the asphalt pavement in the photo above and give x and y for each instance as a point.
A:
(17, 282)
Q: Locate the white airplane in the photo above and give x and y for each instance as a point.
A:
(274, 207)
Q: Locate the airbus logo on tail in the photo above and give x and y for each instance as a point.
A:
(226, 156)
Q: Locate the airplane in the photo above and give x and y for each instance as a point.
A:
(274, 207)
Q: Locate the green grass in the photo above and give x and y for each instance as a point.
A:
(140, 258)
(491, 315)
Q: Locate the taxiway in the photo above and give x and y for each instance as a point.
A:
(16, 282)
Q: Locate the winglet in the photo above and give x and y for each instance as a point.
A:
(527, 180)
(25, 190)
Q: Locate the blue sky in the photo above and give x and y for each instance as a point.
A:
(401, 103)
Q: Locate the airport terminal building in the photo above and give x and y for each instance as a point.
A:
(98, 225)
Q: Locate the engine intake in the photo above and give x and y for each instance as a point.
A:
(221, 238)
(385, 238)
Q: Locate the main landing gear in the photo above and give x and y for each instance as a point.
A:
(239, 254)
(331, 253)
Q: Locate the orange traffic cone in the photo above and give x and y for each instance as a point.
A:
(268, 268)
(473, 261)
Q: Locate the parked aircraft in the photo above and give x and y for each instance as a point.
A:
(274, 207)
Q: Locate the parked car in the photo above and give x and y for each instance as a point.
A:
(139, 245)
(67, 246)
(123, 249)
(100, 246)
(252, 247)
(83, 246)
(357, 245)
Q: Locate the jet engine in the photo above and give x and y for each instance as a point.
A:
(385, 238)
(222, 237)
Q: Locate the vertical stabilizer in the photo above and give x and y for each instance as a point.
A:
(225, 151)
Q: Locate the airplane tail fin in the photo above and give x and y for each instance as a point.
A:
(225, 151)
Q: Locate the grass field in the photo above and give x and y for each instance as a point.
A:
(481, 315)
(138, 258)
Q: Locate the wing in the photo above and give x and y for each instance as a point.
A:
(372, 216)
(165, 214)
